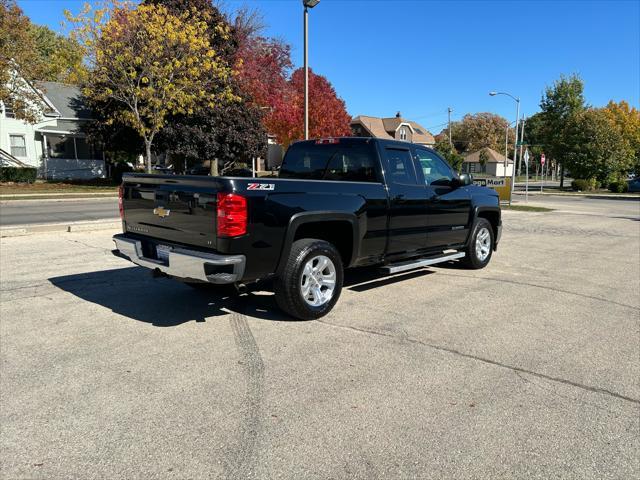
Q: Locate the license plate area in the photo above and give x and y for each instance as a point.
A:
(162, 253)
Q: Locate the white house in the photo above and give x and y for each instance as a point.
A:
(495, 164)
(56, 145)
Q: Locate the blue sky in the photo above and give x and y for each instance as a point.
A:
(419, 57)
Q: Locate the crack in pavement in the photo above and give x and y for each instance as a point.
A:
(544, 287)
(488, 361)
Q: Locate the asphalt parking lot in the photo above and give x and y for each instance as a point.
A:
(529, 368)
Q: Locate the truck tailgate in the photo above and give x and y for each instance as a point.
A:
(176, 209)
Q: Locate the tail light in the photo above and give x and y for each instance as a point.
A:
(120, 204)
(232, 215)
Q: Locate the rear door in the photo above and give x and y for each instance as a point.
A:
(408, 201)
(448, 206)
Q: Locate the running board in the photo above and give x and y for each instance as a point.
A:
(419, 262)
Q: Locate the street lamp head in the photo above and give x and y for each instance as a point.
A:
(493, 94)
(310, 3)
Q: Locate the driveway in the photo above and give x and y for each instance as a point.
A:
(529, 368)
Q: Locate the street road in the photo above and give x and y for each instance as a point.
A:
(529, 368)
(21, 212)
(585, 205)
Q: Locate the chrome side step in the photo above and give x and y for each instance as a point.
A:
(419, 262)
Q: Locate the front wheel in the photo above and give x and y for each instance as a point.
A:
(311, 281)
(480, 247)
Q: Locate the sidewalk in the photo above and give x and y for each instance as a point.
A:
(64, 227)
(617, 196)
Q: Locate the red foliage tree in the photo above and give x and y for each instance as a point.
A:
(263, 73)
(328, 115)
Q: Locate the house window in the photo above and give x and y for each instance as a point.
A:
(403, 133)
(18, 145)
(8, 111)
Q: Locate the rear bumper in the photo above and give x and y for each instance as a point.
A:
(183, 263)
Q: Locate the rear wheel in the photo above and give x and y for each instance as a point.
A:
(311, 281)
(480, 247)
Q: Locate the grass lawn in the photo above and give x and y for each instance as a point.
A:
(526, 208)
(56, 187)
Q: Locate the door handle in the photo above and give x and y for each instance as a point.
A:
(435, 198)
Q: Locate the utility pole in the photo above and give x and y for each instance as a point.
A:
(521, 141)
(449, 111)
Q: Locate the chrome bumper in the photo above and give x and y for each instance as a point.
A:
(183, 263)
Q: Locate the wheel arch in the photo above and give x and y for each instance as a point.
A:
(338, 228)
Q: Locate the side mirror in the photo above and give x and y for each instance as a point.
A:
(463, 180)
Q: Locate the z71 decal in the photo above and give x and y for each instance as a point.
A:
(261, 186)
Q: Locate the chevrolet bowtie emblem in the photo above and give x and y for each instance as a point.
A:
(161, 212)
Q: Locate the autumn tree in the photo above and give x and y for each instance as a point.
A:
(328, 115)
(626, 120)
(476, 131)
(264, 67)
(20, 64)
(151, 63)
(231, 131)
(61, 57)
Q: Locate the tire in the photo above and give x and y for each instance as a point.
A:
(481, 238)
(305, 270)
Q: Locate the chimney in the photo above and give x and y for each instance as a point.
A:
(398, 115)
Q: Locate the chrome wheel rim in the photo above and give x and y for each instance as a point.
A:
(318, 281)
(483, 244)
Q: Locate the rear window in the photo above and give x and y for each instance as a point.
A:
(342, 161)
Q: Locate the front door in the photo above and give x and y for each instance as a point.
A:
(448, 205)
(408, 201)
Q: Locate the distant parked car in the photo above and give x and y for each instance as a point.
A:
(634, 185)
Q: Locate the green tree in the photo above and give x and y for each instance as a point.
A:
(150, 64)
(595, 148)
(449, 152)
(61, 57)
(560, 104)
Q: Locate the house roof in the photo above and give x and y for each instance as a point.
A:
(492, 156)
(67, 99)
(386, 127)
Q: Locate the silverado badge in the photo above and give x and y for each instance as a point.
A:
(161, 212)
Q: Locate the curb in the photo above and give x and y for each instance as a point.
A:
(58, 194)
(585, 195)
(19, 200)
(20, 231)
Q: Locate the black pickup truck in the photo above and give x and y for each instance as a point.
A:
(337, 203)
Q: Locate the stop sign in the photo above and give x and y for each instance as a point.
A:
(542, 159)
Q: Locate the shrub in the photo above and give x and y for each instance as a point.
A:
(619, 186)
(18, 174)
(580, 185)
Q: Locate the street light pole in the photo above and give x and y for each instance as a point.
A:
(515, 147)
(306, 72)
(307, 5)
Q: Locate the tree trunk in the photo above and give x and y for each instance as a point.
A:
(561, 176)
(147, 146)
(214, 167)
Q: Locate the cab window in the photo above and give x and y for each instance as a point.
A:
(435, 170)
